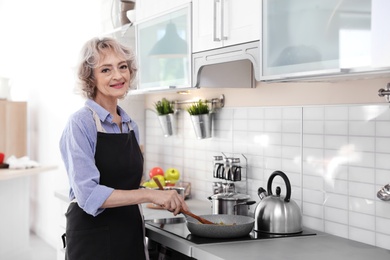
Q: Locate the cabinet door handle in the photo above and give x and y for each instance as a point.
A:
(216, 39)
(223, 37)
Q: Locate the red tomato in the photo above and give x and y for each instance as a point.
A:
(156, 171)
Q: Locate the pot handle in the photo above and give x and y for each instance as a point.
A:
(248, 203)
(286, 181)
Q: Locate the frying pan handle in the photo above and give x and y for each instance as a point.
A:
(286, 181)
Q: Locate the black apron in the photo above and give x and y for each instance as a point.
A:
(116, 233)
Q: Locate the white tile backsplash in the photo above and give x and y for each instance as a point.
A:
(336, 113)
(336, 215)
(362, 235)
(363, 221)
(382, 129)
(336, 127)
(361, 128)
(336, 229)
(336, 157)
(338, 201)
(313, 127)
(313, 114)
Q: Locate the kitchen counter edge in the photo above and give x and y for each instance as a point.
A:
(323, 246)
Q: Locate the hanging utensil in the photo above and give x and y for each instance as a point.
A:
(384, 193)
(185, 212)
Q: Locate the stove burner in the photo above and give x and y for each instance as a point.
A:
(177, 226)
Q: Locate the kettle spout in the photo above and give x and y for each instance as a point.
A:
(262, 193)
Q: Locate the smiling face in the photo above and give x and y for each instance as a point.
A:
(112, 77)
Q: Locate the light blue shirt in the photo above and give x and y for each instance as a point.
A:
(78, 145)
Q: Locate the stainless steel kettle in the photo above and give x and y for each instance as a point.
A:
(275, 214)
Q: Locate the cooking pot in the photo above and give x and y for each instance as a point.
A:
(227, 226)
(276, 214)
(231, 203)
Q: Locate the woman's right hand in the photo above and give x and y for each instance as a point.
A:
(169, 200)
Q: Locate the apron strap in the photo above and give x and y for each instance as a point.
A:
(99, 123)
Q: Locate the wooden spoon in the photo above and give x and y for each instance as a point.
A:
(185, 212)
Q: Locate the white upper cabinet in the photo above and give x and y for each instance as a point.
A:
(317, 38)
(221, 23)
(146, 9)
(163, 45)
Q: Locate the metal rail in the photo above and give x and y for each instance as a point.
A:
(215, 102)
(385, 92)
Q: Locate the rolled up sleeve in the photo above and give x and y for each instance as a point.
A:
(77, 146)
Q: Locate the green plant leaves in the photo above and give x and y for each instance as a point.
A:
(198, 108)
(163, 107)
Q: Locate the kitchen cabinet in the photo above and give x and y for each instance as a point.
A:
(147, 9)
(221, 23)
(13, 128)
(163, 46)
(305, 39)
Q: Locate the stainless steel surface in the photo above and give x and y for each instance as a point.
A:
(230, 203)
(222, 23)
(385, 92)
(216, 103)
(231, 226)
(217, 187)
(246, 51)
(228, 188)
(215, 38)
(202, 125)
(384, 193)
(227, 169)
(167, 220)
(180, 190)
(168, 124)
(276, 214)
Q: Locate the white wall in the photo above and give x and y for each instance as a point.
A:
(39, 47)
(336, 158)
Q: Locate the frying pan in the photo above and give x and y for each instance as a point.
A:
(187, 213)
(233, 226)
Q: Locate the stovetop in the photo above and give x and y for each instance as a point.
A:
(178, 227)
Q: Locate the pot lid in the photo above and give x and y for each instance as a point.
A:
(230, 196)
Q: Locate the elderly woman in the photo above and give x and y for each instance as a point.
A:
(104, 163)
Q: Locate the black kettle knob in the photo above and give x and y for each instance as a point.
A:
(278, 191)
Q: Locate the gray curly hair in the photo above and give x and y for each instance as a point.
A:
(90, 56)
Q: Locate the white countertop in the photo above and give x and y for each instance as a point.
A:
(6, 174)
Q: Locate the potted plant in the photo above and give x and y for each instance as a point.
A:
(165, 113)
(201, 119)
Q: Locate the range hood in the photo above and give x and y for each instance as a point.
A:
(232, 63)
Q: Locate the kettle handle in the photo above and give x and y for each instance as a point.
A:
(286, 181)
